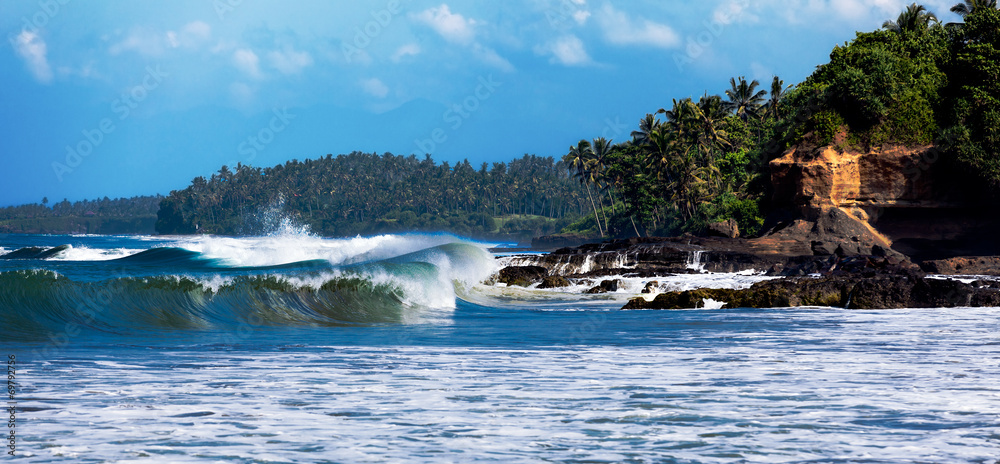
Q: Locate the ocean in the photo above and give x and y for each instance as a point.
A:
(398, 348)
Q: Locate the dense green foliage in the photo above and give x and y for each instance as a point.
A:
(703, 162)
(914, 82)
(106, 216)
(975, 92)
(365, 193)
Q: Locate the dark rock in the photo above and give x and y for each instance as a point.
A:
(852, 292)
(824, 248)
(552, 242)
(554, 282)
(651, 287)
(727, 229)
(606, 286)
(522, 276)
(969, 265)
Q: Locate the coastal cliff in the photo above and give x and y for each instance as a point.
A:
(873, 223)
(905, 199)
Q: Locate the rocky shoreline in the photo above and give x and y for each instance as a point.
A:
(882, 280)
(869, 229)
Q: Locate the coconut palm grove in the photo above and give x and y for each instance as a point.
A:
(690, 162)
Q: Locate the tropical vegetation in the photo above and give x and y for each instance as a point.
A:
(135, 215)
(916, 81)
(362, 193)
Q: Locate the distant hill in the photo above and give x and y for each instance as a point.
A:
(366, 193)
(106, 216)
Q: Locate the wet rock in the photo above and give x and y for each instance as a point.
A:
(823, 248)
(969, 265)
(852, 292)
(557, 241)
(651, 287)
(554, 282)
(522, 276)
(606, 286)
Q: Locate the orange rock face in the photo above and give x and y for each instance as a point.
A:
(840, 195)
(893, 196)
(890, 177)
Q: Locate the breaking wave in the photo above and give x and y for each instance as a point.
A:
(215, 283)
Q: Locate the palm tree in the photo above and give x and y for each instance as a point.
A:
(970, 6)
(678, 116)
(915, 18)
(744, 98)
(661, 143)
(688, 187)
(778, 91)
(580, 158)
(602, 149)
(646, 126)
(707, 117)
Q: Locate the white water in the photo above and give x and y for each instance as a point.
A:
(464, 264)
(291, 248)
(83, 253)
(696, 260)
(564, 264)
(628, 288)
(519, 375)
(791, 386)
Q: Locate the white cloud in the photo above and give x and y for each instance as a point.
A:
(248, 62)
(149, 42)
(567, 50)
(198, 29)
(142, 41)
(191, 35)
(619, 29)
(490, 57)
(458, 29)
(857, 12)
(581, 14)
(850, 9)
(733, 11)
(452, 26)
(33, 50)
(375, 87)
(288, 61)
(404, 51)
(86, 71)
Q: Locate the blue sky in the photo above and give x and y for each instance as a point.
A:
(121, 98)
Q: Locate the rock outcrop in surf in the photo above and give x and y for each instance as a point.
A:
(866, 226)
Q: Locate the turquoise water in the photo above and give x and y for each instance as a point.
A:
(292, 348)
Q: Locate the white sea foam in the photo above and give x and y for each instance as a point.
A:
(966, 279)
(732, 386)
(431, 287)
(629, 286)
(289, 248)
(83, 253)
